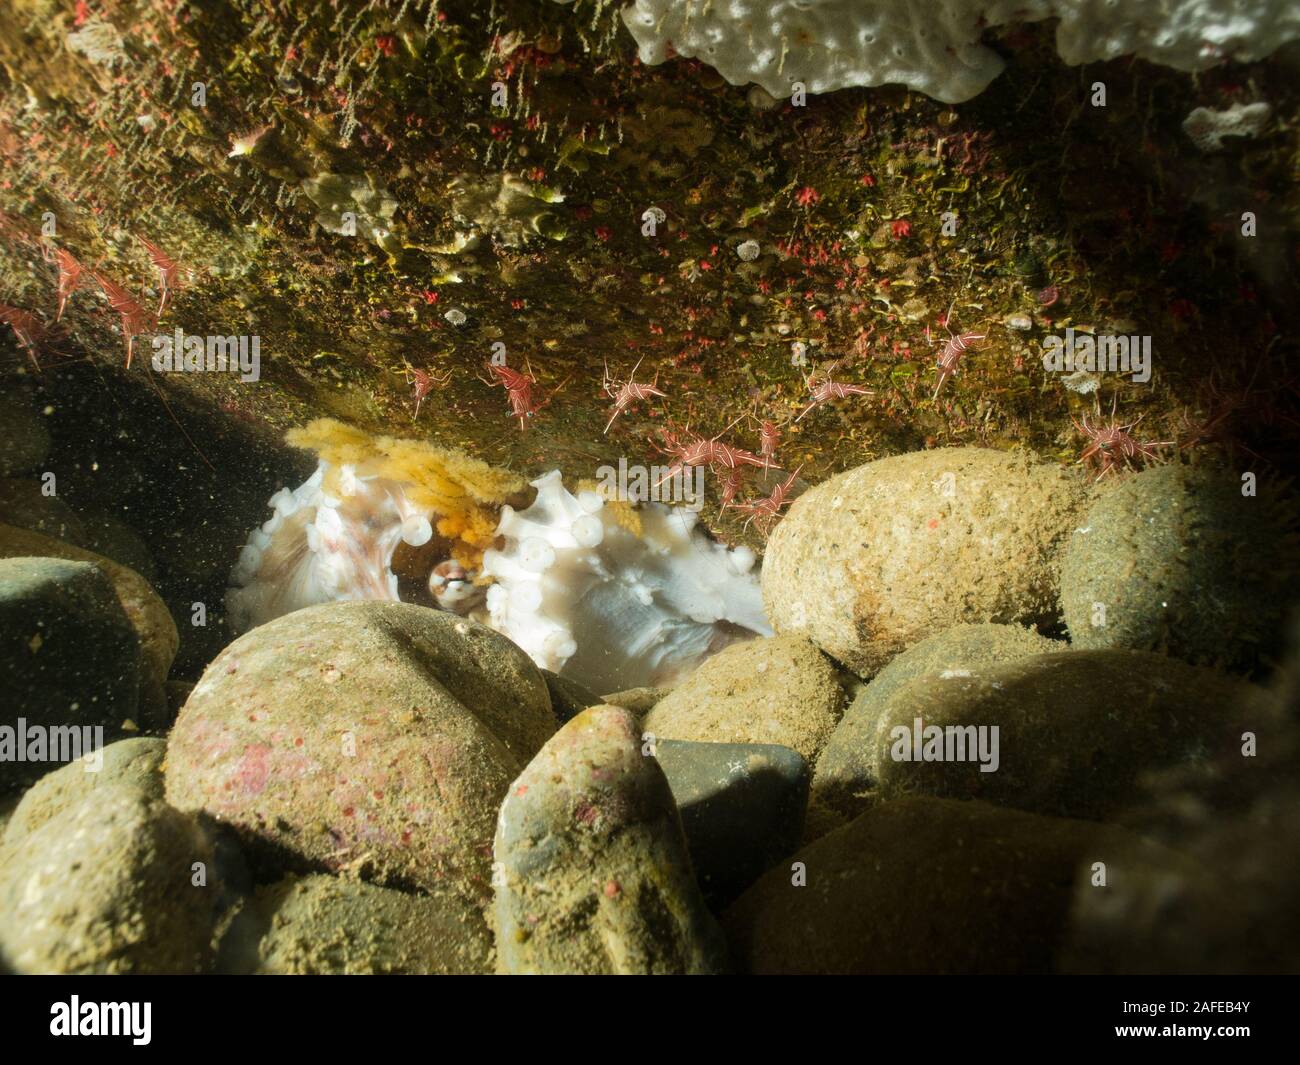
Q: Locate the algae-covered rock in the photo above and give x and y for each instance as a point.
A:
(1180, 560)
(778, 690)
(742, 808)
(592, 871)
(149, 615)
(24, 504)
(921, 885)
(376, 736)
(106, 535)
(70, 661)
(135, 763)
(24, 439)
(1067, 734)
(326, 925)
(842, 773)
(1232, 909)
(114, 883)
(882, 556)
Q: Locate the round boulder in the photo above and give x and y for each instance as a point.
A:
(149, 615)
(378, 737)
(71, 663)
(921, 885)
(115, 883)
(1183, 561)
(134, 762)
(1068, 733)
(882, 556)
(326, 925)
(778, 690)
(842, 772)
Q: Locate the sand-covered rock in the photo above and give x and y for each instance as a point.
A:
(921, 885)
(1179, 560)
(638, 700)
(109, 884)
(136, 762)
(568, 697)
(742, 808)
(592, 872)
(70, 661)
(375, 736)
(326, 925)
(1074, 730)
(153, 622)
(878, 558)
(842, 771)
(778, 690)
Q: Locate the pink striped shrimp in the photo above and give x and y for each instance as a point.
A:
(629, 392)
(955, 347)
(767, 510)
(422, 382)
(769, 439)
(28, 329)
(830, 389)
(169, 271)
(69, 278)
(135, 319)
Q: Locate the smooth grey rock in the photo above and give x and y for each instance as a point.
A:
(70, 660)
(742, 807)
(568, 697)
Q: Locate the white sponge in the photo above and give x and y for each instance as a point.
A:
(933, 45)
